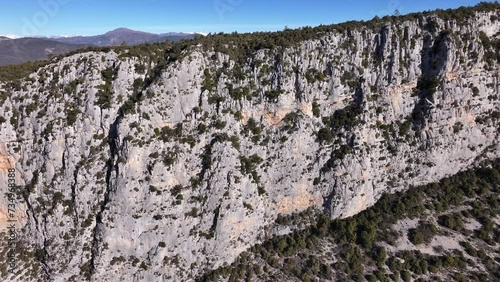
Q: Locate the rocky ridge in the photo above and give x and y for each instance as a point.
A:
(132, 171)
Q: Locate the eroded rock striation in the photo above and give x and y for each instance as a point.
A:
(131, 169)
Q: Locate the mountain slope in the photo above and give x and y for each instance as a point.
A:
(121, 35)
(140, 163)
(446, 231)
(17, 51)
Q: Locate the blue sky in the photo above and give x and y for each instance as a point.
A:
(90, 17)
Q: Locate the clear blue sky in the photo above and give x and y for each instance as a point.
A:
(89, 17)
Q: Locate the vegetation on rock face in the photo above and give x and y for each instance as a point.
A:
(240, 47)
(370, 246)
(105, 93)
(382, 243)
(14, 72)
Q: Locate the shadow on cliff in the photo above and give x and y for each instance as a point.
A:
(342, 123)
(434, 58)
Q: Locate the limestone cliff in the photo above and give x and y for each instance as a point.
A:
(131, 169)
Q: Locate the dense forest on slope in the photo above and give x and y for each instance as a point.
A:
(446, 231)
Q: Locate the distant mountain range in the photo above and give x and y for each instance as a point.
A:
(21, 50)
(124, 35)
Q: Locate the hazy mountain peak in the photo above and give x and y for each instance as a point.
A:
(123, 30)
(122, 34)
(15, 51)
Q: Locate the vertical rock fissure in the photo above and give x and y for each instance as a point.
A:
(40, 254)
(63, 161)
(298, 87)
(45, 254)
(26, 195)
(73, 194)
(111, 165)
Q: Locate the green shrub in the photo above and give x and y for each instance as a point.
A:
(325, 135)
(452, 221)
(416, 236)
(316, 109)
(208, 83)
(138, 85)
(140, 68)
(273, 95)
(313, 75)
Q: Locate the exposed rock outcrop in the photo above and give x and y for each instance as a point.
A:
(123, 177)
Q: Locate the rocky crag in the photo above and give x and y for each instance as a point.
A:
(136, 169)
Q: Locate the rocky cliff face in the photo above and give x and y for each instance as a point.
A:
(123, 177)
